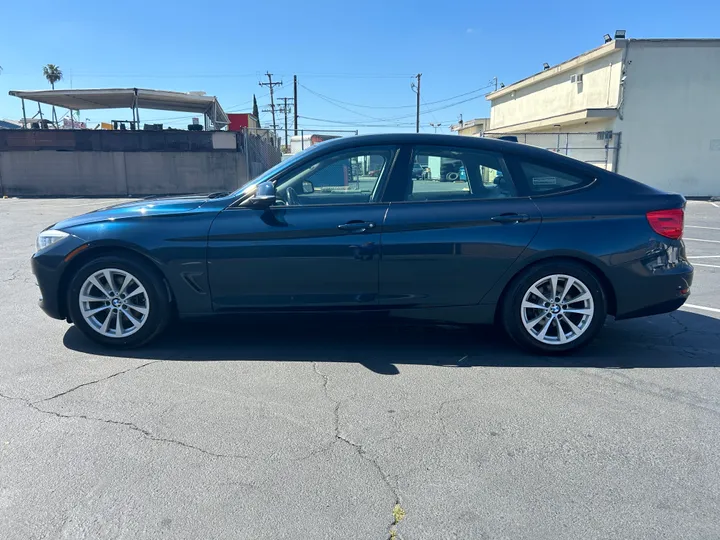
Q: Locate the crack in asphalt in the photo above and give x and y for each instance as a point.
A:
(12, 276)
(684, 330)
(66, 392)
(359, 449)
(439, 414)
(147, 434)
(649, 388)
(134, 427)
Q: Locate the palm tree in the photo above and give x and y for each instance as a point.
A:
(53, 74)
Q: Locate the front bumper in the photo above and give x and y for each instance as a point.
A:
(48, 266)
(48, 282)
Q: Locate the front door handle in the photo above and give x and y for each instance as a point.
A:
(356, 226)
(510, 218)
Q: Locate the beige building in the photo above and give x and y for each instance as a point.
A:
(647, 108)
(473, 128)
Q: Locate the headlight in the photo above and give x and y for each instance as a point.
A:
(48, 238)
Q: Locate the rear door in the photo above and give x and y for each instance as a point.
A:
(451, 235)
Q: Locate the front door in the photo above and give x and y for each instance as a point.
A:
(459, 227)
(319, 246)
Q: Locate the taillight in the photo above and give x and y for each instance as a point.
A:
(668, 223)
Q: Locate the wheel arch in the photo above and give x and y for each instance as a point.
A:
(94, 252)
(591, 266)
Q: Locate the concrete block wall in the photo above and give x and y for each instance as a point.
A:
(50, 173)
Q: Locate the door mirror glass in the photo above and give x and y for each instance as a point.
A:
(264, 195)
(308, 187)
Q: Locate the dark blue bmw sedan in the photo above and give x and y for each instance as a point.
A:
(543, 245)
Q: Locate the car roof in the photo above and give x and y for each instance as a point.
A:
(481, 143)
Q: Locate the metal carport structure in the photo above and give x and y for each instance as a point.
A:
(132, 98)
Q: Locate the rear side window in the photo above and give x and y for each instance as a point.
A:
(544, 180)
(444, 173)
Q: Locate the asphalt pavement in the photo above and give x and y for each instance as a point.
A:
(319, 428)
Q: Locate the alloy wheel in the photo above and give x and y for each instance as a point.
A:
(114, 303)
(557, 309)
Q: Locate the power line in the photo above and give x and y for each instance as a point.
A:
(286, 109)
(417, 91)
(241, 105)
(271, 84)
(331, 101)
(352, 75)
(353, 122)
(395, 106)
(356, 124)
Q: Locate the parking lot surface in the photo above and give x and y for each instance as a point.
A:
(351, 429)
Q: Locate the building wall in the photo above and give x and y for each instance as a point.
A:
(557, 95)
(472, 128)
(119, 174)
(671, 116)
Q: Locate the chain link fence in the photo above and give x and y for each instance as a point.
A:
(598, 148)
(262, 150)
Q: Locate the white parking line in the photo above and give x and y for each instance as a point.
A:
(715, 205)
(693, 306)
(705, 257)
(701, 240)
(706, 265)
(700, 227)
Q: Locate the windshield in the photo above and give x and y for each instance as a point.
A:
(286, 164)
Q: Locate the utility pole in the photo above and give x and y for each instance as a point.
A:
(285, 109)
(417, 91)
(494, 79)
(272, 85)
(295, 103)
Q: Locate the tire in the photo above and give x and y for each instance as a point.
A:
(149, 308)
(580, 319)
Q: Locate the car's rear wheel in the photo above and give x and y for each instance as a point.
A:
(554, 307)
(118, 301)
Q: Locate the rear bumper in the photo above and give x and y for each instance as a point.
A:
(661, 291)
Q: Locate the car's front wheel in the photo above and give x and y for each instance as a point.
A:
(554, 307)
(118, 301)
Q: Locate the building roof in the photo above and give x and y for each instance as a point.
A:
(467, 124)
(121, 98)
(598, 52)
(10, 124)
(593, 54)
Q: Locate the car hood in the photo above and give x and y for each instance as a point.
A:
(142, 208)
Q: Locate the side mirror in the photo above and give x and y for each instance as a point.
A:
(264, 195)
(307, 187)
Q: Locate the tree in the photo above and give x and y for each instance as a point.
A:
(53, 74)
(255, 112)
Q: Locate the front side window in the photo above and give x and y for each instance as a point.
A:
(346, 177)
(443, 173)
(544, 180)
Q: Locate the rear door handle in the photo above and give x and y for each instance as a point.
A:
(510, 218)
(356, 226)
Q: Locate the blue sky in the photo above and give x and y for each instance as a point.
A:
(360, 53)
